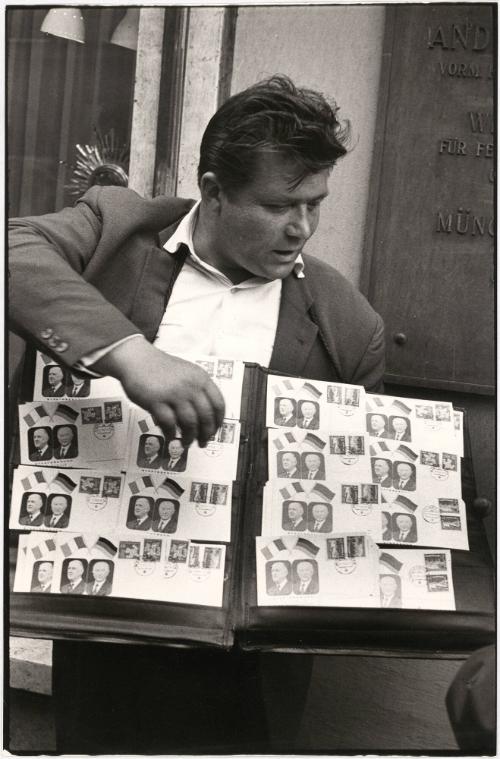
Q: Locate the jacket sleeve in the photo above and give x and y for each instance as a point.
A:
(370, 370)
(50, 302)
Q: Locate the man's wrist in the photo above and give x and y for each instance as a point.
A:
(115, 362)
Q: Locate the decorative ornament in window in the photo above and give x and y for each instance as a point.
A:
(104, 163)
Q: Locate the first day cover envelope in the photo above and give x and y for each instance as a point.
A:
(314, 405)
(46, 498)
(340, 570)
(409, 420)
(440, 522)
(55, 381)
(149, 451)
(89, 433)
(416, 578)
(159, 504)
(305, 508)
(318, 456)
(227, 374)
(156, 568)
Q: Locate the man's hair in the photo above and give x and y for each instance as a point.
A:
(272, 116)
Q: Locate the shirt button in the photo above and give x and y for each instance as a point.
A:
(234, 290)
(46, 333)
(61, 347)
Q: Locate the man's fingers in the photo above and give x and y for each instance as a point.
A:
(207, 424)
(187, 420)
(217, 402)
(165, 418)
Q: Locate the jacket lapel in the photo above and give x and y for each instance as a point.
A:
(296, 331)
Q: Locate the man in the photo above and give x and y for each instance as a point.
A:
(376, 425)
(79, 387)
(67, 448)
(286, 415)
(141, 519)
(386, 526)
(167, 517)
(150, 457)
(34, 516)
(42, 450)
(281, 585)
(265, 160)
(405, 529)
(306, 583)
(294, 519)
(76, 581)
(44, 578)
(288, 465)
(400, 428)
(55, 379)
(177, 456)
(314, 468)
(57, 517)
(404, 478)
(382, 472)
(321, 518)
(308, 418)
(100, 586)
(390, 592)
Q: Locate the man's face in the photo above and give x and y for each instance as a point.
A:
(308, 410)
(45, 573)
(141, 507)
(175, 449)
(319, 511)
(59, 505)
(55, 376)
(289, 461)
(399, 424)
(40, 438)
(75, 570)
(403, 522)
(295, 510)
(34, 503)
(279, 572)
(65, 435)
(151, 446)
(381, 468)
(286, 407)
(404, 471)
(313, 462)
(377, 422)
(388, 585)
(166, 509)
(100, 570)
(261, 228)
(305, 570)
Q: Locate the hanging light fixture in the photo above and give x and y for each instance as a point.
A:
(64, 22)
(127, 31)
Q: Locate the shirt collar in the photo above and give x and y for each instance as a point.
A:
(183, 235)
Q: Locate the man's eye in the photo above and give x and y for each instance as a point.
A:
(276, 208)
(314, 205)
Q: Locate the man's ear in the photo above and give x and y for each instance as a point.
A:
(210, 191)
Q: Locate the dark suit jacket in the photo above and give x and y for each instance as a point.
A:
(325, 527)
(37, 456)
(406, 436)
(313, 425)
(63, 521)
(288, 525)
(171, 526)
(105, 589)
(410, 484)
(83, 390)
(410, 538)
(39, 589)
(35, 523)
(142, 461)
(80, 588)
(50, 392)
(386, 482)
(71, 454)
(311, 588)
(132, 524)
(113, 240)
(180, 464)
(273, 590)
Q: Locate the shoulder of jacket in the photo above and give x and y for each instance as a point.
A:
(122, 204)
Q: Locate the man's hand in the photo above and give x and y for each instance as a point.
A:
(174, 391)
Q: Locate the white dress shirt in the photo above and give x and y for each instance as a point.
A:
(207, 314)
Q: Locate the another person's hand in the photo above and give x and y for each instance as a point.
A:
(174, 391)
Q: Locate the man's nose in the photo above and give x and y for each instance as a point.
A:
(299, 224)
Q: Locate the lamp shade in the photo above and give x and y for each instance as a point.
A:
(127, 31)
(64, 22)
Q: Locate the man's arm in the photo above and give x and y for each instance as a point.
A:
(51, 302)
(370, 371)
